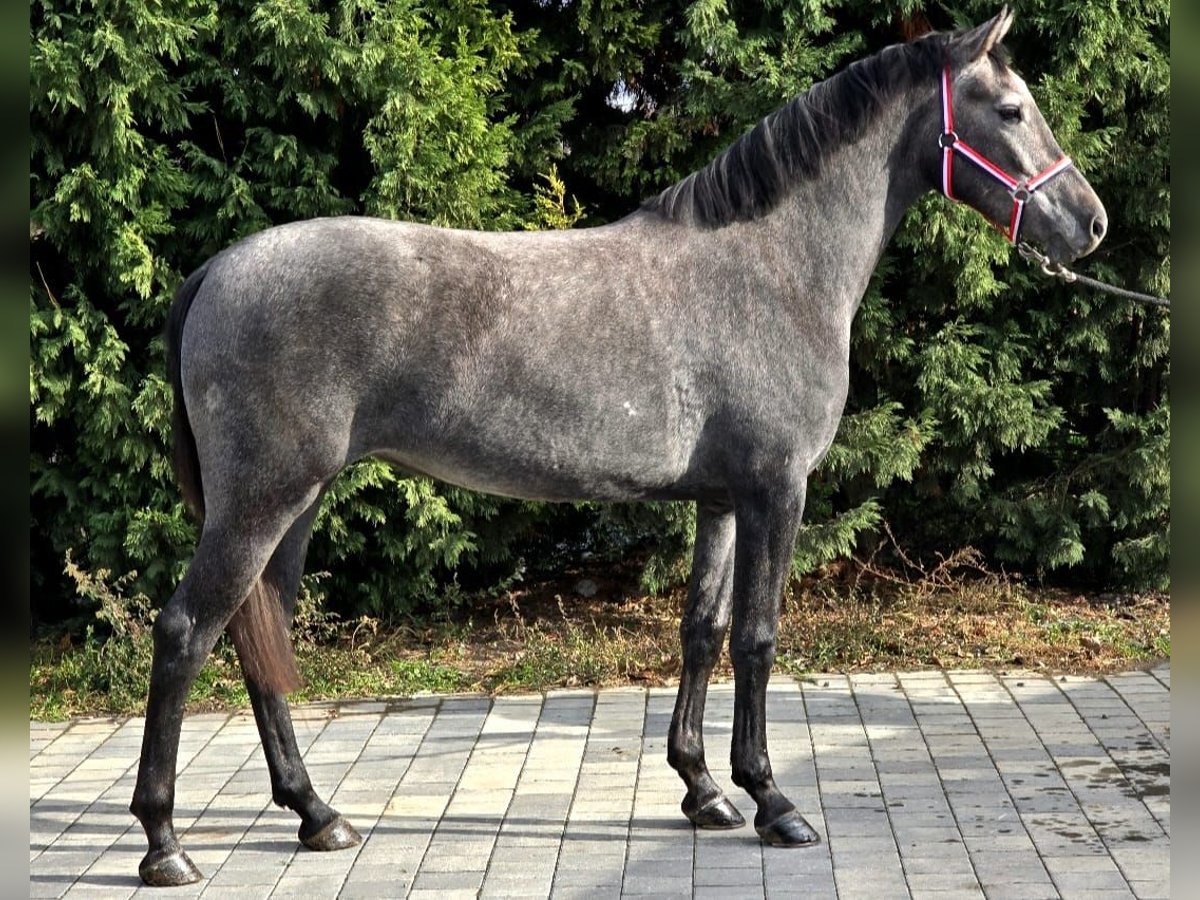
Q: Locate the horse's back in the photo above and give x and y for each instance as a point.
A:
(516, 364)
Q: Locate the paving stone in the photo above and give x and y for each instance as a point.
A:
(934, 882)
(372, 890)
(1088, 881)
(308, 886)
(1156, 889)
(1021, 892)
(461, 880)
(725, 892)
(927, 784)
(733, 877)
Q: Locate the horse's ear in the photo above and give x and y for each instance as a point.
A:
(972, 45)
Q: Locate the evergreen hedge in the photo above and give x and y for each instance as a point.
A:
(988, 406)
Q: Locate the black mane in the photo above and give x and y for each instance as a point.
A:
(753, 174)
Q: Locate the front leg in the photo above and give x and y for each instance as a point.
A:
(702, 633)
(767, 522)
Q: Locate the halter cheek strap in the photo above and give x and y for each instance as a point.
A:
(1021, 191)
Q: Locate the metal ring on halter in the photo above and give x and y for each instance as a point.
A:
(1021, 194)
(947, 139)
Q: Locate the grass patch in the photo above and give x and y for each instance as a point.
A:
(853, 618)
(571, 650)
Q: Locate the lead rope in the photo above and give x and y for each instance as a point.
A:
(1062, 273)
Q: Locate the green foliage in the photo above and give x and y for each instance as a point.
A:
(988, 406)
(113, 657)
(550, 205)
(163, 132)
(422, 675)
(395, 542)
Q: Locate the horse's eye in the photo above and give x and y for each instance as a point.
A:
(1010, 113)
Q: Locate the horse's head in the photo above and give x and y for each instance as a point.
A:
(996, 153)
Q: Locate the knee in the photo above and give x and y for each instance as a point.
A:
(177, 649)
(701, 642)
(172, 630)
(757, 652)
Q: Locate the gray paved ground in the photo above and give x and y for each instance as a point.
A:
(924, 784)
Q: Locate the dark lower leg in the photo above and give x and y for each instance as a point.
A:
(765, 541)
(702, 633)
(225, 566)
(321, 827)
(777, 820)
(184, 634)
(153, 803)
(705, 804)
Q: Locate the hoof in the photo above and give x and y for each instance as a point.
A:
(789, 830)
(717, 814)
(168, 868)
(337, 835)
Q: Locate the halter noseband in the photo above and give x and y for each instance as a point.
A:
(1021, 191)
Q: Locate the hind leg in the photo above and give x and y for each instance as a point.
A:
(321, 827)
(702, 631)
(229, 559)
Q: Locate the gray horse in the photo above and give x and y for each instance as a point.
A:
(695, 350)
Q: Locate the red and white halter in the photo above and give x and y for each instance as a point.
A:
(1021, 191)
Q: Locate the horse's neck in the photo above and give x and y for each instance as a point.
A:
(837, 225)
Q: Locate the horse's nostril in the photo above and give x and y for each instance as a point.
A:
(1099, 227)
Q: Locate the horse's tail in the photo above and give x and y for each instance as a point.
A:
(183, 449)
(258, 627)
